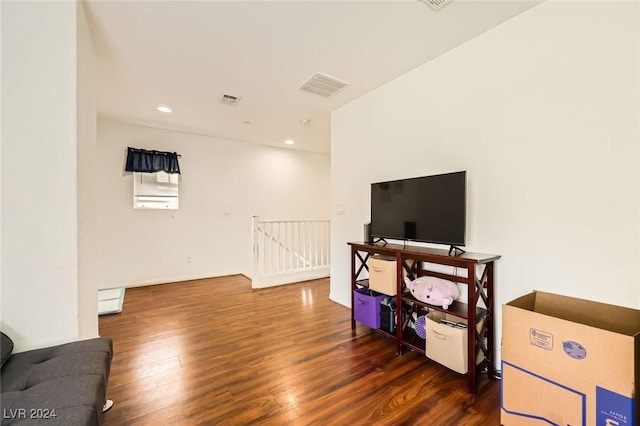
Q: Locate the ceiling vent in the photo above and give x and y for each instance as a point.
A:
(230, 100)
(437, 4)
(323, 85)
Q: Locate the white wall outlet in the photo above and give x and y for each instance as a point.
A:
(188, 259)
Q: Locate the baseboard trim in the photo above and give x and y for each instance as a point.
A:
(179, 279)
(290, 278)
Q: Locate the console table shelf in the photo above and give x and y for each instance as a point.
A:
(411, 340)
(458, 309)
(415, 262)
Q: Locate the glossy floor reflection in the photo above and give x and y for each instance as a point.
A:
(216, 352)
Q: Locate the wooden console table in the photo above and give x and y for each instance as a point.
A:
(414, 261)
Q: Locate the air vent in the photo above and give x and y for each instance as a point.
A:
(230, 100)
(437, 4)
(323, 85)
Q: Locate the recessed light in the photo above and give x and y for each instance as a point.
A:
(163, 108)
(289, 141)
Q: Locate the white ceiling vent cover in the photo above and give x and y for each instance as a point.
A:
(323, 85)
(230, 100)
(437, 4)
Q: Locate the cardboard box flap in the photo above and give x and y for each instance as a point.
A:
(612, 318)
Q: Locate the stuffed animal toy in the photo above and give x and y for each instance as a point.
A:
(433, 290)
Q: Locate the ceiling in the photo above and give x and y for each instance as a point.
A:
(188, 54)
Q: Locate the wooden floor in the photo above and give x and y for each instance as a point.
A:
(216, 352)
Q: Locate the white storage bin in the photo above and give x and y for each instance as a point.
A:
(382, 275)
(448, 345)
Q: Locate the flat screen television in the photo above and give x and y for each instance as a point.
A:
(429, 209)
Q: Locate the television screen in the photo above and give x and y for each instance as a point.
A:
(429, 209)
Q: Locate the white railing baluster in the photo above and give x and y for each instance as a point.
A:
(279, 248)
(297, 224)
(261, 246)
(309, 238)
(316, 249)
(322, 243)
(286, 251)
(328, 245)
(270, 249)
(255, 248)
(304, 243)
(287, 258)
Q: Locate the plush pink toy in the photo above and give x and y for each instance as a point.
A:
(433, 290)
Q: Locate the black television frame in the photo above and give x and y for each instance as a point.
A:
(460, 204)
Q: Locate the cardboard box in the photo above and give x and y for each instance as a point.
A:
(568, 361)
(383, 275)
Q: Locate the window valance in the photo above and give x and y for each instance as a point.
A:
(145, 161)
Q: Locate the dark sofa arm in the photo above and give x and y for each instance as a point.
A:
(67, 380)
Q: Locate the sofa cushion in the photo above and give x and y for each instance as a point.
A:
(6, 347)
(25, 373)
(26, 369)
(69, 380)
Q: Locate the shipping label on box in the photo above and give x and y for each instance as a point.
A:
(541, 339)
(568, 361)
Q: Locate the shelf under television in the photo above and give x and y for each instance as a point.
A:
(419, 261)
(457, 308)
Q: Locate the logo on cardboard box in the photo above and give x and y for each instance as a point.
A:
(541, 339)
(574, 349)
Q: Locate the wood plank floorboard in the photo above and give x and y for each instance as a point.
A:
(216, 352)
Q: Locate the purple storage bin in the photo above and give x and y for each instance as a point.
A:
(366, 309)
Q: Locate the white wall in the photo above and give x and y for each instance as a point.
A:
(1, 174)
(87, 147)
(223, 184)
(542, 111)
(40, 293)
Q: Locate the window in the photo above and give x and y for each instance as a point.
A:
(157, 190)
